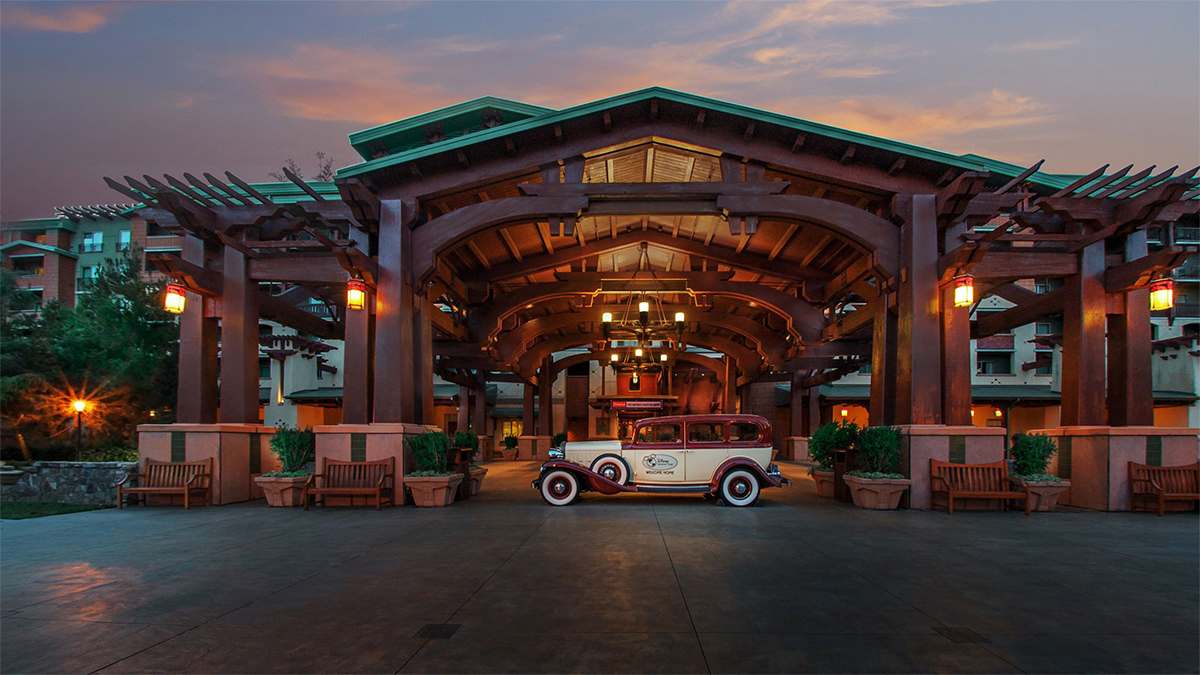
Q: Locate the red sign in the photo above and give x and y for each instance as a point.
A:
(638, 405)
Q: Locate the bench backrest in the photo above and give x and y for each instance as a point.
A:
(1172, 479)
(342, 474)
(991, 477)
(175, 474)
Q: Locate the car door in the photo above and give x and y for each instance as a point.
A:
(705, 449)
(658, 453)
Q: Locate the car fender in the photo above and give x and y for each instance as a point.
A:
(587, 478)
(764, 479)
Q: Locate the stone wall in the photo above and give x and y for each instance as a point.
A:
(68, 482)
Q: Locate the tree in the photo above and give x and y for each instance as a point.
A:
(325, 170)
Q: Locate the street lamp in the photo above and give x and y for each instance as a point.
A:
(79, 406)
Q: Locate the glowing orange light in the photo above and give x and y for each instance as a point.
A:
(998, 413)
(845, 413)
(1162, 294)
(174, 300)
(356, 294)
(964, 290)
(662, 357)
(79, 405)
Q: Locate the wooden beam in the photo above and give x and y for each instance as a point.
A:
(1014, 317)
(1139, 272)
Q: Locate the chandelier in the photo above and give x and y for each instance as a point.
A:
(641, 327)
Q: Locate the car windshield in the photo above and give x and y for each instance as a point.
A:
(658, 433)
(706, 432)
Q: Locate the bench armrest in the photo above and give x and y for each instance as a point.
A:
(194, 477)
(935, 480)
(312, 480)
(126, 477)
(1154, 483)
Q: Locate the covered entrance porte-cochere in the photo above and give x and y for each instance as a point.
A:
(678, 243)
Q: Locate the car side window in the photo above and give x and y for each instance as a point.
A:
(706, 432)
(743, 432)
(659, 433)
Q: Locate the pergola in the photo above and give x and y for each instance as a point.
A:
(502, 234)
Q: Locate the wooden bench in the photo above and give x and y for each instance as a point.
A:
(1161, 484)
(973, 481)
(169, 478)
(353, 479)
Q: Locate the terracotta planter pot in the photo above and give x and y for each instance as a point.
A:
(281, 490)
(876, 493)
(824, 482)
(432, 491)
(509, 454)
(1043, 495)
(477, 474)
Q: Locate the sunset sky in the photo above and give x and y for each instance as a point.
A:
(88, 90)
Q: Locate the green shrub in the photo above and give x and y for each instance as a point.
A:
(830, 437)
(1031, 453)
(558, 440)
(466, 439)
(429, 453)
(111, 453)
(879, 452)
(294, 447)
(510, 442)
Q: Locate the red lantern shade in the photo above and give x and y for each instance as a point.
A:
(964, 290)
(1162, 294)
(356, 294)
(174, 299)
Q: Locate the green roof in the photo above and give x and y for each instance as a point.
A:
(965, 162)
(38, 245)
(452, 121)
(57, 222)
(979, 392)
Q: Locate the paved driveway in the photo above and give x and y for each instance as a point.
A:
(626, 584)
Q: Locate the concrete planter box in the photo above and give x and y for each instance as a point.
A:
(1043, 494)
(433, 491)
(281, 490)
(477, 474)
(509, 454)
(824, 482)
(881, 494)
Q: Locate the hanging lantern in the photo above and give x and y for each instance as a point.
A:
(638, 352)
(644, 312)
(662, 357)
(1162, 294)
(606, 324)
(175, 299)
(356, 294)
(964, 290)
(845, 412)
(998, 412)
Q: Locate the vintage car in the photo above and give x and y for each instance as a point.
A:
(726, 456)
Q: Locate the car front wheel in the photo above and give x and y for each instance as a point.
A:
(560, 488)
(739, 488)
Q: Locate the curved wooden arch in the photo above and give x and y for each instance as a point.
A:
(769, 343)
(872, 233)
(804, 320)
(747, 360)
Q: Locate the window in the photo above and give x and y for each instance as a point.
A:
(658, 433)
(706, 432)
(1051, 325)
(124, 239)
(511, 428)
(93, 242)
(1046, 285)
(743, 432)
(264, 367)
(87, 277)
(993, 363)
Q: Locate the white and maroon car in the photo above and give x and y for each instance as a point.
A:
(728, 456)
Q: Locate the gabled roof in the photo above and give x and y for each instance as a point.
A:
(452, 121)
(37, 245)
(551, 117)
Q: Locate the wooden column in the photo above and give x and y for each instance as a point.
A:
(956, 360)
(395, 400)
(813, 409)
(1083, 362)
(796, 404)
(1130, 386)
(918, 360)
(423, 358)
(479, 409)
(196, 396)
(546, 397)
(464, 408)
(729, 398)
(527, 419)
(357, 352)
(883, 364)
(239, 340)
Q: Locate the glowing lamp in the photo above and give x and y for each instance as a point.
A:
(79, 405)
(662, 357)
(1162, 294)
(174, 300)
(680, 317)
(613, 358)
(964, 290)
(643, 307)
(606, 317)
(638, 352)
(972, 413)
(845, 413)
(998, 413)
(356, 294)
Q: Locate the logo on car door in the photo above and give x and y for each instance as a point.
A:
(659, 463)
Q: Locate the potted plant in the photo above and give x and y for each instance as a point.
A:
(877, 485)
(510, 448)
(431, 484)
(825, 441)
(1030, 455)
(466, 448)
(294, 448)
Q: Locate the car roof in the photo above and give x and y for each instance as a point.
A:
(717, 417)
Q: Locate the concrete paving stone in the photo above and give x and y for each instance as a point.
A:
(1125, 652)
(32, 646)
(610, 608)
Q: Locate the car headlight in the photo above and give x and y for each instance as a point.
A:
(556, 453)
(773, 470)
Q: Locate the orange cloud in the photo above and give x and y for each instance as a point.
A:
(59, 18)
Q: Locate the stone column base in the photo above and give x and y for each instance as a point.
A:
(366, 442)
(1096, 460)
(920, 443)
(228, 445)
(533, 447)
(797, 449)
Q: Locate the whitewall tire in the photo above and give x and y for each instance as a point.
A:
(611, 467)
(739, 488)
(560, 488)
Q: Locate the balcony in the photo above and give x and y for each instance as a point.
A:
(1187, 235)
